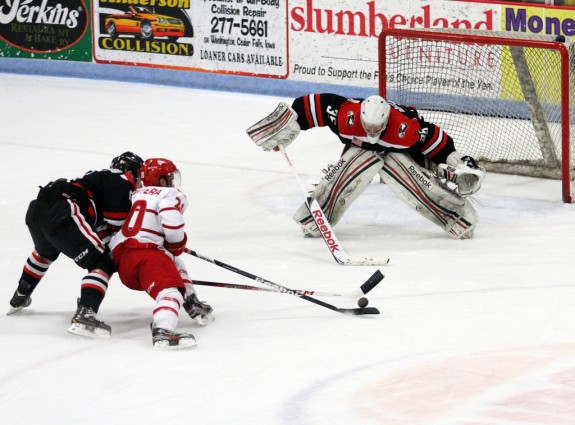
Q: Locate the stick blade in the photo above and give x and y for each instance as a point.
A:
(372, 282)
(366, 262)
(360, 311)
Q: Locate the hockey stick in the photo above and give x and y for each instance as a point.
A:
(325, 228)
(361, 291)
(279, 288)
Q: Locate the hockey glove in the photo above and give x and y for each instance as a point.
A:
(176, 248)
(278, 128)
(104, 233)
(466, 174)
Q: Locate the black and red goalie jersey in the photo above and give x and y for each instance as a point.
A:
(406, 131)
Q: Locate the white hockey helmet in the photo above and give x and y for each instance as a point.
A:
(374, 116)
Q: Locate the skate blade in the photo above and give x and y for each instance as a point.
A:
(205, 319)
(14, 310)
(184, 344)
(90, 332)
(17, 309)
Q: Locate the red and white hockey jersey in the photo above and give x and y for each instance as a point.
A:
(156, 216)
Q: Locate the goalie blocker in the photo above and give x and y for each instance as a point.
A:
(418, 188)
(278, 128)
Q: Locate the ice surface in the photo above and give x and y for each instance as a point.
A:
(476, 332)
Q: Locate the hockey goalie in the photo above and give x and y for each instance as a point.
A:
(416, 159)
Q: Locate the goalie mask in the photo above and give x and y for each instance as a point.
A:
(128, 161)
(374, 116)
(160, 172)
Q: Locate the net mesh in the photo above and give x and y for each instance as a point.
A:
(501, 104)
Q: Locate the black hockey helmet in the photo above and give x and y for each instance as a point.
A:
(128, 161)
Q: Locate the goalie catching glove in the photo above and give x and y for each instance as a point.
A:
(463, 172)
(278, 128)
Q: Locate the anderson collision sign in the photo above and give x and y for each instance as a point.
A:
(230, 36)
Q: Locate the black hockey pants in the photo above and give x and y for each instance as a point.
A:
(57, 226)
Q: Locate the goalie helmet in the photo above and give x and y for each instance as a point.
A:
(128, 161)
(374, 116)
(160, 172)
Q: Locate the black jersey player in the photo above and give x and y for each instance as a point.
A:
(77, 218)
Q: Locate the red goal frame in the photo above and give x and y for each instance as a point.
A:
(496, 40)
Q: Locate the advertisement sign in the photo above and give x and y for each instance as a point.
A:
(45, 29)
(318, 41)
(552, 22)
(477, 70)
(468, 69)
(246, 37)
(335, 41)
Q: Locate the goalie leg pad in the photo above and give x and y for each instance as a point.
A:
(278, 128)
(340, 187)
(424, 193)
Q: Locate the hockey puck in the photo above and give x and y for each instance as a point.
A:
(362, 302)
(560, 38)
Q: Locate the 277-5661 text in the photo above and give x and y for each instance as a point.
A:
(253, 27)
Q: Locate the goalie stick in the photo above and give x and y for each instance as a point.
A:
(279, 288)
(361, 291)
(327, 233)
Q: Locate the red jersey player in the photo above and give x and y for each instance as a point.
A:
(146, 252)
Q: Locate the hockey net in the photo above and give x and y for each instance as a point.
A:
(505, 98)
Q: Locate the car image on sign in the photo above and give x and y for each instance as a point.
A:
(144, 23)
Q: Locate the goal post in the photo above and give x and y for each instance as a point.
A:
(505, 98)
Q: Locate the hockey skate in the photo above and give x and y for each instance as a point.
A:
(198, 310)
(167, 340)
(22, 298)
(310, 230)
(84, 323)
